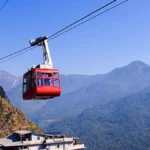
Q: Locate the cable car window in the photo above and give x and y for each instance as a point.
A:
(24, 80)
(27, 83)
(24, 88)
(55, 74)
(33, 75)
(47, 75)
(33, 83)
(56, 82)
(48, 82)
(39, 82)
(39, 74)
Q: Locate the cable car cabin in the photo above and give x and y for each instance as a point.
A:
(41, 84)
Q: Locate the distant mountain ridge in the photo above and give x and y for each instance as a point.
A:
(8, 81)
(135, 65)
(69, 83)
(112, 109)
(122, 124)
(114, 85)
(73, 82)
(81, 92)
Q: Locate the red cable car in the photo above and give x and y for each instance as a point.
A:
(41, 82)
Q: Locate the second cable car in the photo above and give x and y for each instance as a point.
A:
(41, 82)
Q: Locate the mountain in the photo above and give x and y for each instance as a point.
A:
(8, 81)
(12, 119)
(28, 107)
(72, 82)
(114, 85)
(123, 124)
(68, 83)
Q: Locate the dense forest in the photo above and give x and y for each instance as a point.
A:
(122, 124)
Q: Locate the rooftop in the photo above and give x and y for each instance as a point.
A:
(29, 138)
(23, 132)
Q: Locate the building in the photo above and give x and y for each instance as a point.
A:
(27, 140)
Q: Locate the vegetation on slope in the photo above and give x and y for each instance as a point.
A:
(3, 93)
(12, 119)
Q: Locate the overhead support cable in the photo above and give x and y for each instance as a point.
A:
(88, 20)
(3, 5)
(82, 18)
(57, 34)
(59, 30)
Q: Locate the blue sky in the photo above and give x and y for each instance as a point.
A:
(112, 40)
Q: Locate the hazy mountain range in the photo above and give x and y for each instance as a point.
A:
(103, 106)
(81, 91)
(106, 88)
(8, 81)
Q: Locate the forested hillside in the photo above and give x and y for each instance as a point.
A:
(123, 124)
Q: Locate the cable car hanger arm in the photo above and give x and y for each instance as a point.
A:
(42, 41)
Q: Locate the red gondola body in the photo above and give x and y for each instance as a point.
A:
(41, 84)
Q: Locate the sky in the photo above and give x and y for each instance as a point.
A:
(111, 40)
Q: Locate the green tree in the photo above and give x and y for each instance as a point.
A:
(3, 93)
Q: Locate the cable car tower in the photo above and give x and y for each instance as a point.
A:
(41, 82)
